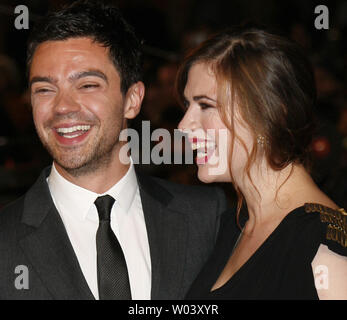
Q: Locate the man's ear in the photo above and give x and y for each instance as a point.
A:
(133, 100)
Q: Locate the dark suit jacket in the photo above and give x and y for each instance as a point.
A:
(181, 221)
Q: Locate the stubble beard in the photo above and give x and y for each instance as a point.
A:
(95, 156)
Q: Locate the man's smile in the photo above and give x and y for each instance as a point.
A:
(71, 134)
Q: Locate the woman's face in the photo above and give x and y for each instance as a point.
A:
(207, 132)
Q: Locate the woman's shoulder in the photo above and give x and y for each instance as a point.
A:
(332, 224)
(311, 225)
(330, 261)
(316, 234)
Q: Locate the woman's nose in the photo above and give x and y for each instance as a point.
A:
(190, 120)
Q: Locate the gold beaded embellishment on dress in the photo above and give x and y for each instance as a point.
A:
(336, 219)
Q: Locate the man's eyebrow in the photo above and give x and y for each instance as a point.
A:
(82, 74)
(197, 98)
(41, 79)
(76, 76)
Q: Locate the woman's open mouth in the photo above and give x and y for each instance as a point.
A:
(204, 148)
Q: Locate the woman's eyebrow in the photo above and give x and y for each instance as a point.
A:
(197, 98)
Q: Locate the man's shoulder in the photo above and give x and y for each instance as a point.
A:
(201, 192)
(190, 199)
(10, 220)
(12, 209)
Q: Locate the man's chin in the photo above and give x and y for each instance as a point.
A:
(79, 166)
(73, 167)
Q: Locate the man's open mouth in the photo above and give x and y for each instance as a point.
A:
(73, 132)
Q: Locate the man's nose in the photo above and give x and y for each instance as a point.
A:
(66, 103)
(190, 121)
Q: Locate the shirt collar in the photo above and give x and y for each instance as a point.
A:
(70, 197)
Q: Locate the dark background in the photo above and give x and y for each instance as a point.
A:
(169, 28)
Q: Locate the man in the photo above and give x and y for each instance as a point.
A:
(85, 83)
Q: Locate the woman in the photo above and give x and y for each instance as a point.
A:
(255, 91)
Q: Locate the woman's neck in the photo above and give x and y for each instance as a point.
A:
(273, 194)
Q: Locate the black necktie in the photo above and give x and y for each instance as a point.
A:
(113, 279)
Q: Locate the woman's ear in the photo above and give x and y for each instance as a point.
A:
(133, 100)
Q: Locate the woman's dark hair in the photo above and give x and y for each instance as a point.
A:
(101, 22)
(270, 81)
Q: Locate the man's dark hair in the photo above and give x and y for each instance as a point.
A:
(101, 22)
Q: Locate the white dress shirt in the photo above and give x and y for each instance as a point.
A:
(80, 217)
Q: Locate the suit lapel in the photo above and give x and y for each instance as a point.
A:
(48, 247)
(167, 234)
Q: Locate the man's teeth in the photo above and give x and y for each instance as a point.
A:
(73, 136)
(73, 129)
(66, 132)
(203, 145)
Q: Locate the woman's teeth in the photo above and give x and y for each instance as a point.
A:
(203, 148)
(203, 145)
(73, 132)
(201, 154)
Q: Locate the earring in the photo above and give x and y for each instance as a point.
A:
(261, 140)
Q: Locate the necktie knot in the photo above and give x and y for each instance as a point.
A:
(104, 205)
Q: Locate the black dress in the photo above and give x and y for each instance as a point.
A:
(281, 267)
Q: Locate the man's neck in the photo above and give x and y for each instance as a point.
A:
(98, 181)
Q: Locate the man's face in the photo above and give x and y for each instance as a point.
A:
(78, 108)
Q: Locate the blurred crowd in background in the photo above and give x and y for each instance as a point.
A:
(169, 28)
